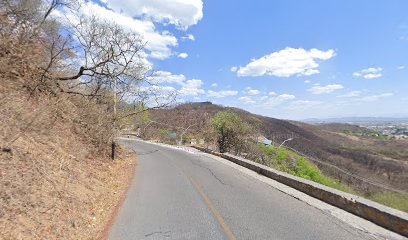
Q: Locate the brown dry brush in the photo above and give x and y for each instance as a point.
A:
(32, 54)
(54, 137)
(49, 146)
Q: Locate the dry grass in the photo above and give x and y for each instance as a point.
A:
(56, 178)
(41, 198)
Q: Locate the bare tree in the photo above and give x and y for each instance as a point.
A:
(113, 62)
(88, 58)
(26, 18)
(109, 59)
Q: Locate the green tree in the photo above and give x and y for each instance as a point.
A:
(232, 132)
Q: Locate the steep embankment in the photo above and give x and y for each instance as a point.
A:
(359, 155)
(56, 178)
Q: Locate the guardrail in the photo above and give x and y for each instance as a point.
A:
(384, 216)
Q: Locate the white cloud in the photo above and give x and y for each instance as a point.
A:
(263, 98)
(374, 98)
(158, 43)
(285, 97)
(325, 89)
(182, 55)
(181, 13)
(286, 63)
(193, 83)
(302, 104)
(188, 37)
(369, 73)
(307, 81)
(372, 75)
(166, 77)
(351, 94)
(267, 101)
(278, 100)
(234, 69)
(192, 88)
(221, 94)
(157, 88)
(214, 85)
(253, 92)
(246, 100)
(401, 67)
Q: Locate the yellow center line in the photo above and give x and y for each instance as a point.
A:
(210, 206)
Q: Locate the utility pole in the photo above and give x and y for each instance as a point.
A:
(289, 139)
(144, 129)
(185, 130)
(114, 103)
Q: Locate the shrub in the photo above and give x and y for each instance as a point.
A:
(290, 162)
(232, 132)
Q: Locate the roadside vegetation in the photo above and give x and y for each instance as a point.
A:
(290, 162)
(394, 200)
(236, 136)
(232, 133)
(66, 87)
(239, 132)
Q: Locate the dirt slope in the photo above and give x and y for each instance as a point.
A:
(57, 180)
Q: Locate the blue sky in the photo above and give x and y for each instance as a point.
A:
(284, 59)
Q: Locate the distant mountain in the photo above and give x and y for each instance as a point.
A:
(356, 120)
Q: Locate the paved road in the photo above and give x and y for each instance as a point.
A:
(181, 195)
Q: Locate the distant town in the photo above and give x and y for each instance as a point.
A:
(393, 128)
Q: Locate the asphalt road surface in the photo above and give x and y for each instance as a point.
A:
(181, 195)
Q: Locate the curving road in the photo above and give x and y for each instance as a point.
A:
(182, 195)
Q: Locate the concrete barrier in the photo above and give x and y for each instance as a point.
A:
(381, 215)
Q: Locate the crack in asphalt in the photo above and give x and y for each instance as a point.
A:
(212, 173)
(215, 176)
(164, 234)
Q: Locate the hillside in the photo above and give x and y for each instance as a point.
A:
(57, 178)
(380, 161)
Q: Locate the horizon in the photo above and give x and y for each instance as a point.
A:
(303, 119)
(277, 59)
